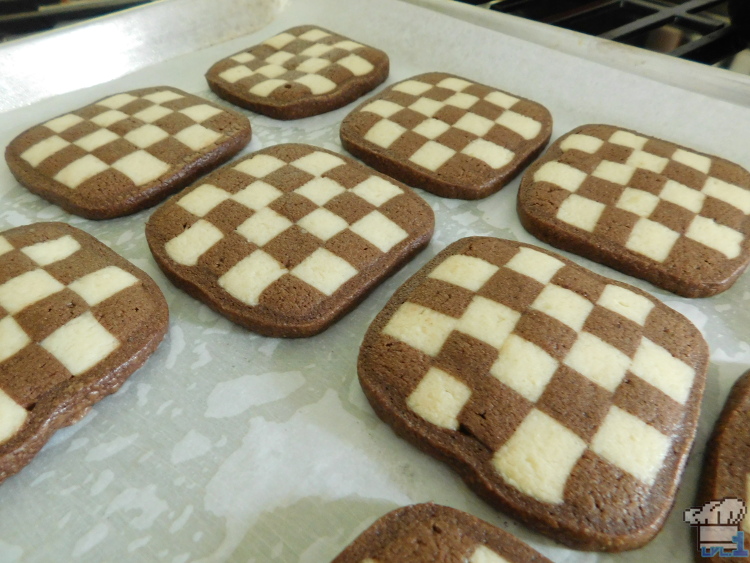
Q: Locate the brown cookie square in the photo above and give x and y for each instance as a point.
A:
(301, 72)
(307, 262)
(655, 211)
(519, 395)
(76, 320)
(452, 149)
(134, 150)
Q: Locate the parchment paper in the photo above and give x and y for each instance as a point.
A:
(228, 446)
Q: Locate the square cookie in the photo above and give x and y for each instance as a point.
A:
(76, 320)
(289, 239)
(428, 533)
(126, 152)
(649, 208)
(563, 398)
(724, 492)
(447, 135)
(303, 71)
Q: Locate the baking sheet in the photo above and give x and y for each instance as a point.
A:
(228, 446)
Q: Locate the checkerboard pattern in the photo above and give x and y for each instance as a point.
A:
(302, 61)
(649, 197)
(292, 220)
(445, 127)
(61, 302)
(127, 143)
(518, 349)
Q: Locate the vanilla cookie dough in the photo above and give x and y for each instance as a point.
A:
(288, 239)
(301, 72)
(447, 135)
(76, 320)
(566, 399)
(126, 152)
(670, 215)
(429, 533)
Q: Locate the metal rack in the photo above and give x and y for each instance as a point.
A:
(706, 31)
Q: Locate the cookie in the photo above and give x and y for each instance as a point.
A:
(301, 72)
(126, 152)
(649, 208)
(726, 468)
(76, 320)
(426, 533)
(564, 398)
(447, 135)
(289, 239)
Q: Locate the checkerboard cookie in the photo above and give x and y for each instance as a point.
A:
(652, 209)
(427, 533)
(289, 239)
(564, 398)
(76, 320)
(126, 152)
(301, 72)
(447, 135)
(726, 469)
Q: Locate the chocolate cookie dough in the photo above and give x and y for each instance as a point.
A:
(652, 209)
(726, 470)
(289, 239)
(76, 320)
(301, 72)
(564, 398)
(447, 135)
(429, 533)
(126, 152)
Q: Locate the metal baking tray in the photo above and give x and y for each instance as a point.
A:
(229, 446)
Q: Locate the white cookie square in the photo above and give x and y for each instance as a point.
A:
(537, 265)
(524, 367)
(420, 327)
(322, 223)
(376, 190)
(51, 251)
(141, 167)
(560, 174)
(464, 271)
(439, 398)
(564, 305)
(13, 339)
(657, 366)
(581, 212)
(652, 239)
(203, 199)
(494, 156)
(598, 361)
(26, 289)
(379, 231)
(488, 321)
(627, 303)
(631, 444)
(539, 457)
(78, 171)
(325, 271)
(100, 285)
(714, 235)
(251, 276)
(384, 133)
(257, 195)
(318, 163)
(264, 226)
(80, 344)
(187, 247)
